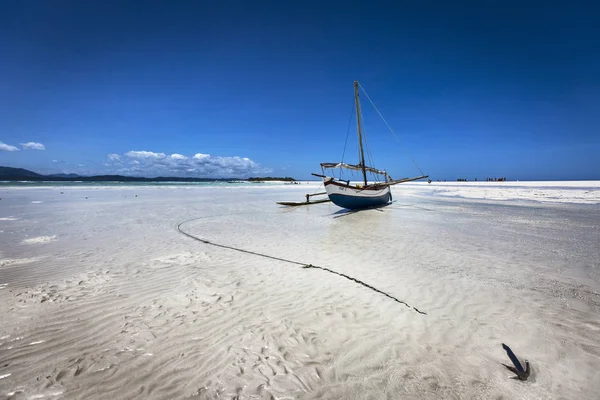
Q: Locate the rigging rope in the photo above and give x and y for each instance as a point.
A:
(390, 128)
(303, 265)
(369, 155)
(371, 161)
(347, 134)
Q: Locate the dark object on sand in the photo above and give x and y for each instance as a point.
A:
(304, 203)
(521, 374)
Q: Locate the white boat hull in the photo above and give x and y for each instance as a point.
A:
(352, 197)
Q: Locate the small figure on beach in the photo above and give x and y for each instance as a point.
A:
(521, 374)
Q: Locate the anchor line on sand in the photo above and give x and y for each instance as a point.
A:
(303, 265)
(365, 285)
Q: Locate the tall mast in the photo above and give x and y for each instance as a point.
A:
(360, 146)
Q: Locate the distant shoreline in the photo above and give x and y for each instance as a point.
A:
(10, 174)
(133, 179)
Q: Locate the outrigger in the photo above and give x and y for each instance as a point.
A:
(357, 196)
(307, 202)
(364, 195)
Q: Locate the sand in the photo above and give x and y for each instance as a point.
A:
(102, 297)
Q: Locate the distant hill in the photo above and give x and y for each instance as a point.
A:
(64, 176)
(20, 174)
(6, 173)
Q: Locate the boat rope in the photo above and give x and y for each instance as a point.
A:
(347, 135)
(303, 265)
(390, 128)
(370, 159)
(322, 185)
(365, 285)
(369, 155)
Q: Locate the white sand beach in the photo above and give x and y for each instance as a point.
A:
(102, 297)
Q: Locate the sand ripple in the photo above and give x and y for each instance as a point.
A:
(123, 306)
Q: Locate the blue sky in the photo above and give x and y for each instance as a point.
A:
(238, 88)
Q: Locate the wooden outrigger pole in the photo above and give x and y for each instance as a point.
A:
(305, 203)
(350, 196)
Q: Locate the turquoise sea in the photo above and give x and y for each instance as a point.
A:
(26, 184)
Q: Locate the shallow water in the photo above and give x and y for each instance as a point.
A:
(101, 296)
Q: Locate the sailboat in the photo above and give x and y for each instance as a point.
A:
(359, 196)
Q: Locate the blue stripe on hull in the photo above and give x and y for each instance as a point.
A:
(355, 203)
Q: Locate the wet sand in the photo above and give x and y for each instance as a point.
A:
(102, 297)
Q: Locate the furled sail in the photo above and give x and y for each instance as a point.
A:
(356, 168)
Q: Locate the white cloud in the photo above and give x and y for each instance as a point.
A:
(7, 147)
(200, 156)
(148, 163)
(145, 154)
(33, 146)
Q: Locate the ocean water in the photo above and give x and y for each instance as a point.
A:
(32, 184)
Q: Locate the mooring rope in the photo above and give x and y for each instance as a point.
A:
(391, 130)
(304, 265)
(347, 134)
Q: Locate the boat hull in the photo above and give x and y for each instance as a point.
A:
(354, 198)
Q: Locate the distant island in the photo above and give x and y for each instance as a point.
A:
(20, 174)
(271, 178)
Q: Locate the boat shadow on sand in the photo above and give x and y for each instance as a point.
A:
(345, 212)
(382, 208)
